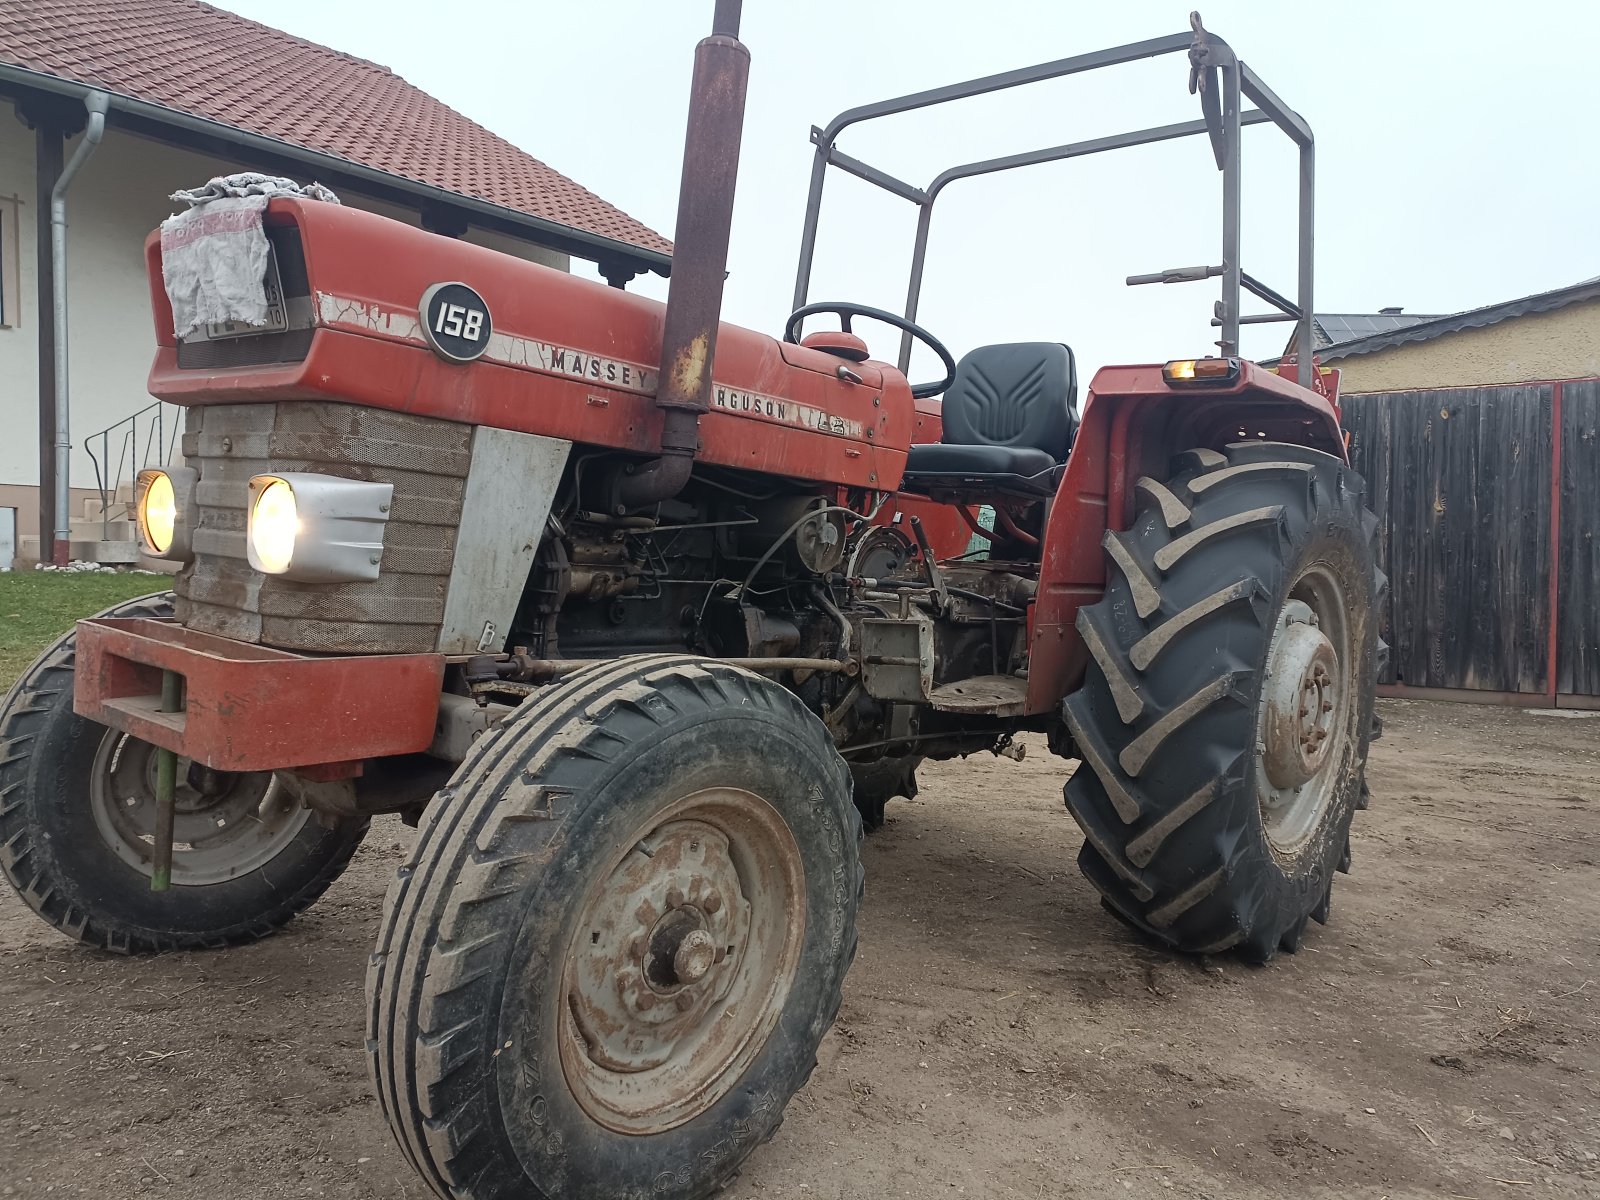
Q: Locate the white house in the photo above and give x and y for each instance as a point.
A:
(190, 92)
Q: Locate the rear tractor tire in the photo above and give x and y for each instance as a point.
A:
(77, 810)
(1224, 719)
(611, 958)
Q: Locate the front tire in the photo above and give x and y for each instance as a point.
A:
(611, 958)
(77, 807)
(1224, 719)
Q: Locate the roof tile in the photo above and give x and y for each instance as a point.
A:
(201, 60)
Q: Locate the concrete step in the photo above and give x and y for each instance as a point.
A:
(117, 552)
(92, 510)
(120, 551)
(116, 529)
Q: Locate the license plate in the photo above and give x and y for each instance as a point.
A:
(277, 315)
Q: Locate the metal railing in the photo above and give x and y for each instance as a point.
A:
(145, 439)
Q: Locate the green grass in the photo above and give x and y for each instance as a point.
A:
(36, 607)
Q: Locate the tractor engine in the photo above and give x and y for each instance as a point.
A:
(719, 569)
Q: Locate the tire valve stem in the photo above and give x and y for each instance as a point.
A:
(166, 789)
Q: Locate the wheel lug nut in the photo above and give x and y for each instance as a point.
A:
(646, 1001)
(684, 1001)
(712, 903)
(638, 945)
(1327, 706)
(675, 898)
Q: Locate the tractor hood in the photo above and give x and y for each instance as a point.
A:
(563, 357)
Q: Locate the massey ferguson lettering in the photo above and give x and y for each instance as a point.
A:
(626, 376)
(615, 373)
(533, 354)
(783, 412)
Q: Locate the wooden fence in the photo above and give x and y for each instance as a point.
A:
(1488, 501)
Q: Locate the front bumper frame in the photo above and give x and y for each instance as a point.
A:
(253, 708)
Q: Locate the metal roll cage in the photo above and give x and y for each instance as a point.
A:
(1219, 77)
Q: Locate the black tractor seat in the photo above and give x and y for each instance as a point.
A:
(1008, 426)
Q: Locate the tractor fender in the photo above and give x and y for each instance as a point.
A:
(1133, 423)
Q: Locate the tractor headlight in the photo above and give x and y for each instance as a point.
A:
(317, 528)
(164, 506)
(274, 525)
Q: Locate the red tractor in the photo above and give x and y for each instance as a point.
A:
(639, 616)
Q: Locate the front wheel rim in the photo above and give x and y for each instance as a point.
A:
(681, 961)
(226, 824)
(1304, 729)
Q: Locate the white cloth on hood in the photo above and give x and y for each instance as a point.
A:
(214, 257)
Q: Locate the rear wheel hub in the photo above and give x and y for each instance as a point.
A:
(1305, 701)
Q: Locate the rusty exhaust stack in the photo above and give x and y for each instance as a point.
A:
(699, 262)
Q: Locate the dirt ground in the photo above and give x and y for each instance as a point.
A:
(1000, 1036)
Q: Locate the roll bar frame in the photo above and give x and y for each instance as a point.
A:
(1221, 80)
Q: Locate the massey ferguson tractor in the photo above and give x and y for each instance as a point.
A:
(639, 617)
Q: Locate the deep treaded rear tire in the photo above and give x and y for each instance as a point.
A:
(54, 854)
(1169, 793)
(466, 988)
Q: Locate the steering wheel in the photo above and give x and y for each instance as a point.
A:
(791, 333)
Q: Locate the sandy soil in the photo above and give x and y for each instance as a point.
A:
(1001, 1036)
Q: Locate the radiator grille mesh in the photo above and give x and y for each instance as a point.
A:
(399, 612)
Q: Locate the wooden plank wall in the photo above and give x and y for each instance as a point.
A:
(1367, 418)
(1578, 605)
(1461, 482)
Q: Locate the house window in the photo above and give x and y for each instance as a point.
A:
(10, 271)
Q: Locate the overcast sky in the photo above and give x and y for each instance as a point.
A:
(1456, 148)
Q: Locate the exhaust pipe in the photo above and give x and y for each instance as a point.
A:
(699, 263)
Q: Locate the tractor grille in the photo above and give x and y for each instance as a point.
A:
(399, 612)
(264, 349)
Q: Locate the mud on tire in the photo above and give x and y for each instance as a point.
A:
(1189, 836)
(475, 990)
(62, 863)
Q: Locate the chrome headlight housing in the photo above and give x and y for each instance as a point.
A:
(164, 508)
(317, 528)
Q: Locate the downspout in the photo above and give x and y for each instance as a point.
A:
(699, 263)
(97, 103)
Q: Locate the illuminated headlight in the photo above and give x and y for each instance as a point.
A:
(317, 528)
(164, 506)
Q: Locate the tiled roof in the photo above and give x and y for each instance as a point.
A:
(200, 60)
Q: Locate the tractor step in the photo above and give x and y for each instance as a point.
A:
(999, 695)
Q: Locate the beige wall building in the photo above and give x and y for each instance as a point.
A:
(1552, 336)
(175, 120)
(1475, 436)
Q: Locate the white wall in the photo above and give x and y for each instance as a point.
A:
(116, 200)
(19, 375)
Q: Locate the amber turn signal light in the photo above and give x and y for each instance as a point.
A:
(1186, 371)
